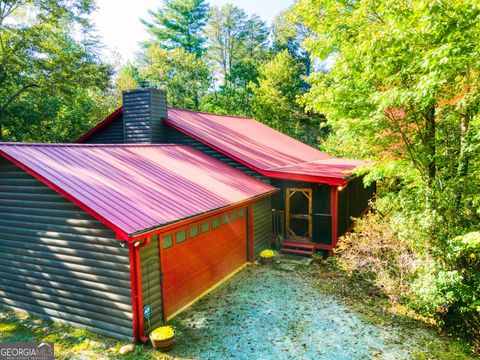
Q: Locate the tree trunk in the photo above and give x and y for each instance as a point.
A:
(462, 169)
(430, 147)
(430, 130)
(308, 63)
(196, 101)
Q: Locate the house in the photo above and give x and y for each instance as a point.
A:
(318, 193)
(119, 238)
(153, 208)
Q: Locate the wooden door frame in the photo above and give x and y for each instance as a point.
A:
(289, 192)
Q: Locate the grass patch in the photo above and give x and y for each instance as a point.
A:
(69, 342)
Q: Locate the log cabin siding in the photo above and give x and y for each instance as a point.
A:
(57, 261)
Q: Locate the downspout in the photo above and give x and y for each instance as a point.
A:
(136, 289)
(334, 213)
(250, 234)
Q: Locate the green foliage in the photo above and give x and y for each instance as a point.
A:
(275, 96)
(232, 51)
(46, 75)
(403, 90)
(237, 46)
(289, 33)
(179, 23)
(184, 76)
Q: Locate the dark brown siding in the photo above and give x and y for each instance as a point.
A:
(112, 134)
(151, 286)
(58, 262)
(262, 224)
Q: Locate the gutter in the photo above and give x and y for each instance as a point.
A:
(136, 289)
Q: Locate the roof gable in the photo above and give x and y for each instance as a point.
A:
(134, 188)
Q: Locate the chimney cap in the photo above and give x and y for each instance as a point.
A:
(149, 89)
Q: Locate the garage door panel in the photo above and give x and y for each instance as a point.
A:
(197, 264)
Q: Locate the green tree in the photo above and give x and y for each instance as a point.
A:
(275, 99)
(237, 46)
(179, 23)
(44, 69)
(290, 32)
(404, 90)
(181, 74)
(405, 76)
(128, 78)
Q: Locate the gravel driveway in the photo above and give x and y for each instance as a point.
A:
(276, 312)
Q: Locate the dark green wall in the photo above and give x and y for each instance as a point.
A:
(57, 261)
(322, 221)
(262, 224)
(352, 203)
(112, 134)
(151, 285)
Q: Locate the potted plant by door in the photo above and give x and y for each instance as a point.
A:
(162, 338)
(266, 257)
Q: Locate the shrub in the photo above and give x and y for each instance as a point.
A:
(464, 309)
(445, 287)
(374, 253)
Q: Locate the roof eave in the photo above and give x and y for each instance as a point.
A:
(308, 178)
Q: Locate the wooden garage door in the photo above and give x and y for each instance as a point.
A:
(198, 256)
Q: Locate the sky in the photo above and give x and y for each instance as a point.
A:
(118, 25)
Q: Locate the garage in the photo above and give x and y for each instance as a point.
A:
(198, 256)
(119, 238)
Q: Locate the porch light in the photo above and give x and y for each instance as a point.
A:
(340, 188)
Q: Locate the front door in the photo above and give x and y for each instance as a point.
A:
(299, 213)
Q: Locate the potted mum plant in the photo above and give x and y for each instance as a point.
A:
(266, 257)
(162, 338)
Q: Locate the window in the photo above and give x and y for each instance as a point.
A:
(233, 216)
(215, 223)
(205, 226)
(181, 236)
(167, 241)
(241, 213)
(224, 219)
(193, 231)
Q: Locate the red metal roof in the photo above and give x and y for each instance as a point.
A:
(262, 148)
(255, 145)
(133, 188)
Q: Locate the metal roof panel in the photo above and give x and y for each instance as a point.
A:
(137, 187)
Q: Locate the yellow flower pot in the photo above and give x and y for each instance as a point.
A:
(162, 338)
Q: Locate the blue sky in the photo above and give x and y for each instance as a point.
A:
(118, 25)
